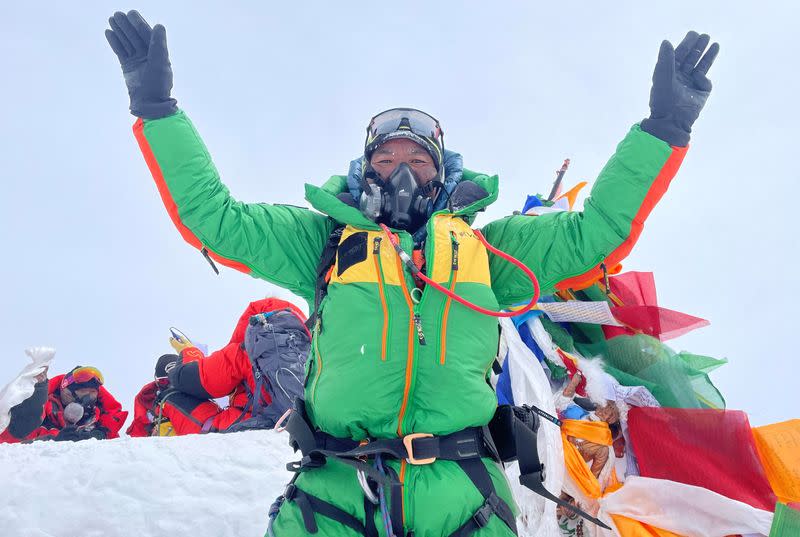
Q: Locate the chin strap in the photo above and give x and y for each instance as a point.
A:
(418, 274)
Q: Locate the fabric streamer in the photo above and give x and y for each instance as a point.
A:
(529, 385)
(786, 522)
(596, 432)
(682, 509)
(578, 311)
(713, 449)
(637, 307)
(779, 449)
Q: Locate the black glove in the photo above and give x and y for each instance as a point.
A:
(71, 434)
(68, 434)
(142, 52)
(99, 432)
(163, 395)
(680, 88)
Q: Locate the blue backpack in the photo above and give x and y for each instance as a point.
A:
(277, 344)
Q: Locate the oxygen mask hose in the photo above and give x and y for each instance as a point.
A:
(418, 273)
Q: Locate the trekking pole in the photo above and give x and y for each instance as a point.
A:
(559, 177)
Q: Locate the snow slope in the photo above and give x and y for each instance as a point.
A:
(210, 485)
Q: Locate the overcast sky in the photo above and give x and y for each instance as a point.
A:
(281, 93)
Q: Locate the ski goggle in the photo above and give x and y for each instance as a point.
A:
(82, 375)
(411, 119)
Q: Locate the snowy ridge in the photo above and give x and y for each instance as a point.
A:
(200, 485)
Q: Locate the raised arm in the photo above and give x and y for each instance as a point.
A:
(278, 243)
(568, 248)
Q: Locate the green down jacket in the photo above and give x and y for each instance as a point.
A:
(387, 361)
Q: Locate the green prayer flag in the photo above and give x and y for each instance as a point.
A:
(786, 522)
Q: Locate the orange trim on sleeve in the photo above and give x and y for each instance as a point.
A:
(657, 190)
(169, 203)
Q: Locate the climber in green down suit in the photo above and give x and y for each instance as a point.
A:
(396, 361)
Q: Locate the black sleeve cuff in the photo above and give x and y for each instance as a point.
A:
(667, 130)
(186, 378)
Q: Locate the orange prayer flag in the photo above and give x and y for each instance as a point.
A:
(572, 194)
(778, 448)
(593, 431)
(578, 471)
(628, 527)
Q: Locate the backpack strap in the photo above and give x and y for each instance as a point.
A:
(326, 261)
(493, 505)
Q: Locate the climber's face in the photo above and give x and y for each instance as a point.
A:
(80, 394)
(395, 152)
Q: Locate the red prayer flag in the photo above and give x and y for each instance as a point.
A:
(640, 310)
(707, 448)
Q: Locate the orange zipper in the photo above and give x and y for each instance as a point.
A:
(411, 335)
(443, 351)
(376, 252)
(318, 358)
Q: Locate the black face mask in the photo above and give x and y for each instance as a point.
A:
(398, 202)
(87, 401)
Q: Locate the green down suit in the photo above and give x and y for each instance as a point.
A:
(373, 372)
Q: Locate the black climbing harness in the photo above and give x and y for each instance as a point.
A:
(508, 437)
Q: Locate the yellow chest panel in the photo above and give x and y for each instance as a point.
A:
(364, 256)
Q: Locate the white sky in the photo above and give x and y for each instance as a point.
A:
(281, 93)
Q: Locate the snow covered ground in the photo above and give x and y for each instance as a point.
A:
(216, 485)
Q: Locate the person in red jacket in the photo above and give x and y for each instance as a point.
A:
(227, 371)
(160, 410)
(79, 407)
(146, 415)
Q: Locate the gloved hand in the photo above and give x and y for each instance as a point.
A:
(180, 344)
(99, 432)
(72, 434)
(680, 88)
(68, 434)
(142, 53)
(164, 395)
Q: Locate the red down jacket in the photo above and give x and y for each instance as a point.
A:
(143, 404)
(109, 412)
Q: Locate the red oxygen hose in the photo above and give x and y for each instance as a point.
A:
(528, 272)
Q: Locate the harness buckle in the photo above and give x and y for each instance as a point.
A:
(289, 492)
(482, 516)
(408, 442)
(485, 511)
